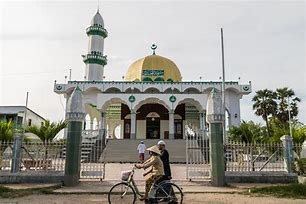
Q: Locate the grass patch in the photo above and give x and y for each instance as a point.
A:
(286, 191)
(13, 193)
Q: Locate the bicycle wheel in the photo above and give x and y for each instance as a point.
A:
(168, 193)
(121, 193)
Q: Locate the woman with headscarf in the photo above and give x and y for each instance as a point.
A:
(156, 169)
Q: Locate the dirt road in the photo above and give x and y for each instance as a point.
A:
(203, 198)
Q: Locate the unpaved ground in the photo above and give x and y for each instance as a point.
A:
(188, 199)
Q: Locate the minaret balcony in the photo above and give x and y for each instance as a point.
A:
(96, 30)
(95, 59)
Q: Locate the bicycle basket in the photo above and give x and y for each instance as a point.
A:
(125, 175)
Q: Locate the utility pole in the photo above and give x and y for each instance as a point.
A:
(26, 110)
(69, 74)
(289, 114)
(223, 87)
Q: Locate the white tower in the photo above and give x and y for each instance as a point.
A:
(94, 60)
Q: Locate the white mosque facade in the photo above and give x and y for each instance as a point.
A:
(152, 102)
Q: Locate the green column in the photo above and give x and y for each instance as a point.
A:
(73, 153)
(217, 154)
(215, 118)
(75, 116)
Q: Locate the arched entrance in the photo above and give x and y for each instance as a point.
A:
(153, 126)
(152, 121)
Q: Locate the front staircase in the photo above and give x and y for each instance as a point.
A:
(125, 151)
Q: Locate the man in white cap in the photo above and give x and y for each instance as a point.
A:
(141, 150)
(165, 159)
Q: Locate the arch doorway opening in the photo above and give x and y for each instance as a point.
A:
(153, 126)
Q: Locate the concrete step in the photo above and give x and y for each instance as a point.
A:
(125, 150)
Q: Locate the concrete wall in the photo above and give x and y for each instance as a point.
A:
(233, 105)
(259, 177)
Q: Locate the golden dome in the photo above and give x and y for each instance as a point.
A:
(153, 68)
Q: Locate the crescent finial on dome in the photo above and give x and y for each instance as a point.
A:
(154, 47)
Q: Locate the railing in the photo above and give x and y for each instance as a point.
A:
(49, 156)
(197, 156)
(45, 156)
(35, 156)
(260, 157)
(6, 148)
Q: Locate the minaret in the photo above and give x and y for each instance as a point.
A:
(94, 60)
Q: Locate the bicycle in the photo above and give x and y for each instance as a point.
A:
(162, 192)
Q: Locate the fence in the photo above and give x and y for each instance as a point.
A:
(197, 155)
(35, 156)
(261, 157)
(238, 156)
(50, 156)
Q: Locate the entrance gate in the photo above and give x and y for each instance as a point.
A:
(92, 164)
(197, 155)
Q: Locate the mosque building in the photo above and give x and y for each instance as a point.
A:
(151, 102)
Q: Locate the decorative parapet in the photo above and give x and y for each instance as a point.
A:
(162, 87)
(95, 59)
(96, 30)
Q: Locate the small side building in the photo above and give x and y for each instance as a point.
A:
(21, 115)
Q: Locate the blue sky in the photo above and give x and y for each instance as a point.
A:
(40, 41)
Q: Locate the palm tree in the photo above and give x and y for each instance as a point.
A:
(6, 130)
(283, 94)
(6, 134)
(47, 132)
(265, 105)
(248, 132)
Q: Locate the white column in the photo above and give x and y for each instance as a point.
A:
(102, 132)
(66, 129)
(133, 125)
(202, 121)
(171, 124)
(103, 121)
(91, 124)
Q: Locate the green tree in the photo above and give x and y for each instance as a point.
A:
(283, 94)
(265, 105)
(248, 132)
(6, 135)
(279, 129)
(47, 131)
(6, 130)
